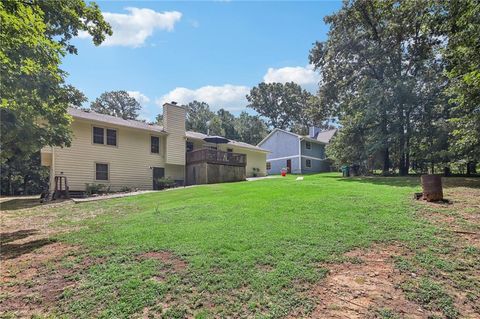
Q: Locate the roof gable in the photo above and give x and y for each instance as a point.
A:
(113, 120)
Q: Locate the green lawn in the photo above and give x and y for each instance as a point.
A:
(229, 234)
(249, 248)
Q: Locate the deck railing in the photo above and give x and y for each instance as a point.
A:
(216, 157)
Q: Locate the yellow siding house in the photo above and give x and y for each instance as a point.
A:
(132, 154)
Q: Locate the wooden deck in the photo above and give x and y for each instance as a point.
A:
(216, 157)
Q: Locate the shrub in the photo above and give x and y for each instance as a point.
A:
(126, 189)
(165, 183)
(94, 188)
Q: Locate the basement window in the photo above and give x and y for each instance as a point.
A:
(308, 163)
(155, 144)
(101, 172)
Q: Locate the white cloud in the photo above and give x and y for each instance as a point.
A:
(133, 28)
(140, 97)
(233, 97)
(230, 97)
(304, 76)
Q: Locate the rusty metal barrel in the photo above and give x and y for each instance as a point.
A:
(432, 188)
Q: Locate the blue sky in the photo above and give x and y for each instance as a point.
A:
(211, 51)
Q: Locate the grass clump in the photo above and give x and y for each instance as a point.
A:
(430, 295)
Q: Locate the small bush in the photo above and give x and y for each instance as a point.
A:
(94, 188)
(386, 313)
(126, 189)
(431, 295)
(165, 183)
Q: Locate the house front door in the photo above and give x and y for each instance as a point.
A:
(289, 165)
(158, 172)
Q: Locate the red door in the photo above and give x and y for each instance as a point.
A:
(289, 166)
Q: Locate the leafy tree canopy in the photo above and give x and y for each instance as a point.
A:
(383, 79)
(460, 23)
(117, 103)
(250, 128)
(285, 106)
(35, 35)
(244, 128)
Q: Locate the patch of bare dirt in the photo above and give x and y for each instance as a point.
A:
(356, 289)
(33, 276)
(32, 281)
(460, 216)
(171, 260)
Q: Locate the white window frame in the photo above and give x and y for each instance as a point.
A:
(95, 171)
(159, 145)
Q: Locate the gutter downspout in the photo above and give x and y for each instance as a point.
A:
(300, 155)
(52, 171)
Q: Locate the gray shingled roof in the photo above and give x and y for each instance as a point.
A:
(103, 118)
(326, 136)
(201, 136)
(93, 116)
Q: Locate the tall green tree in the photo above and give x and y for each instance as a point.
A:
(215, 126)
(117, 103)
(250, 129)
(23, 175)
(460, 23)
(381, 72)
(198, 116)
(35, 35)
(284, 106)
(227, 120)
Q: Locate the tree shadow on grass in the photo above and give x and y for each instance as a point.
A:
(19, 234)
(9, 251)
(20, 203)
(410, 181)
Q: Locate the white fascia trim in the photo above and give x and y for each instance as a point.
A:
(314, 158)
(281, 158)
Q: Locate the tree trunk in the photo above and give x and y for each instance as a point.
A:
(25, 181)
(386, 161)
(9, 185)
